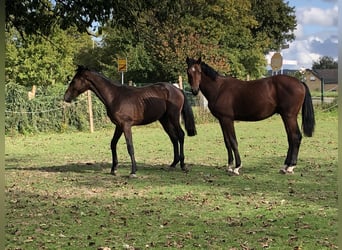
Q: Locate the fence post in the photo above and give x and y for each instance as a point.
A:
(90, 111)
(180, 82)
(322, 90)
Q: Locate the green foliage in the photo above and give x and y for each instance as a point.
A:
(276, 21)
(43, 44)
(232, 37)
(42, 17)
(30, 17)
(40, 61)
(47, 111)
(325, 62)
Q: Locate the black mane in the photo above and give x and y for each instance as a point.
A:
(209, 71)
(81, 68)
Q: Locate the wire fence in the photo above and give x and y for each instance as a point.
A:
(50, 113)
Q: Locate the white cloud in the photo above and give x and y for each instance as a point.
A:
(316, 35)
(305, 52)
(299, 33)
(317, 16)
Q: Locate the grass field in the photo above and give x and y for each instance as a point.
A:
(60, 195)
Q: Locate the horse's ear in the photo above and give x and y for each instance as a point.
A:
(81, 68)
(199, 60)
(187, 60)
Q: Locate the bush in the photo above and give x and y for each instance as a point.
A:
(47, 111)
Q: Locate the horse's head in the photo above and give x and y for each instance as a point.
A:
(78, 84)
(194, 72)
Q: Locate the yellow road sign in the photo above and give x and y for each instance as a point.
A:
(122, 65)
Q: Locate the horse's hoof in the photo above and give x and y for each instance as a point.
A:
(113, 172)
(234, 171)
(287, 170)
(290, 169)
(185, 170)
(133, 176)
(282, 171)
(230, 168)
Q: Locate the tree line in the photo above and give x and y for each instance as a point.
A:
(45, 39)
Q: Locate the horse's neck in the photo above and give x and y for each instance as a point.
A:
(209, 88)
(103, 88)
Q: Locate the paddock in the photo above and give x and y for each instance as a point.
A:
(59, 193)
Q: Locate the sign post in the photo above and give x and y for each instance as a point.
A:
(276, 62)
(122, 67)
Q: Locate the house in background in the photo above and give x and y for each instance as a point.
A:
(313, 79)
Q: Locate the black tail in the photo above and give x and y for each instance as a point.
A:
(308, 115)
(188, 117)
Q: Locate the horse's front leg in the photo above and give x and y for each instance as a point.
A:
(230, 141)
(116, 137)
(129, 143)
(228, 147)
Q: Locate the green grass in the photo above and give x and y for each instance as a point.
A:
(60, 195)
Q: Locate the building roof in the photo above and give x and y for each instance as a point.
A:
(328, 75)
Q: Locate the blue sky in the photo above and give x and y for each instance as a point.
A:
(316, 33)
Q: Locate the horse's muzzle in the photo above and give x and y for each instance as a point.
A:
(67, 97)
(194, 91)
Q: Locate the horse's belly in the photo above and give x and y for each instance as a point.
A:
(254, 113)
(152, 113)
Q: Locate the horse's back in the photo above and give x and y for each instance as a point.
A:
(259, 99)
(279, 86)
(143, 105)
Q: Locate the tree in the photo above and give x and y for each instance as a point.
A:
(276, 21)
(218, 31)
(325, 62)
(120, 43)
(231, 35)
(42, 62)
(43, 16)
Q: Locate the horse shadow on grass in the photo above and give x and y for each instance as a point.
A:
(260, 177)
(251, 167)
(88, 167)
(197, 173)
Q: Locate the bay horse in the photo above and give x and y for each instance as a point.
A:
(231, 99)
(129, 106)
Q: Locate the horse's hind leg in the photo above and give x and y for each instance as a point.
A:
(180, 135)
(180, 138)
(294, 138)
(129, 143)
(178, 154)
(116, 137)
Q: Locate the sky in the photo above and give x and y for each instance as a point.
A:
(316, 33)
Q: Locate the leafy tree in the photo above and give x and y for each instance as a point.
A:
(156, 36)
(43, 16)
(325, 62)
(42, 62)
(276, 22)
(217, 30)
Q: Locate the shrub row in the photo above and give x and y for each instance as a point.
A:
(47, 112)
